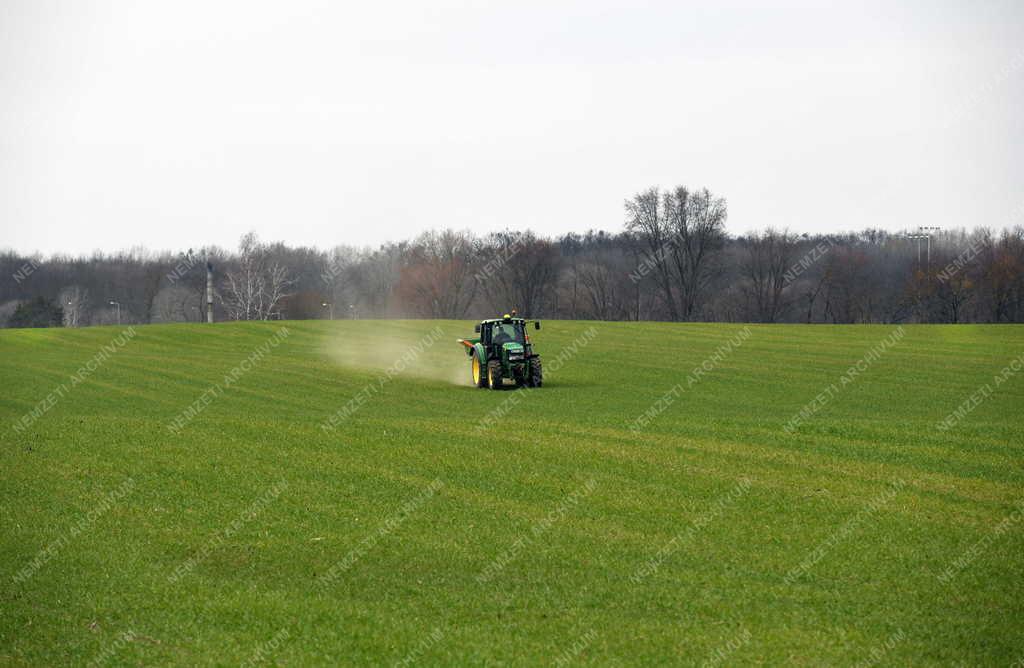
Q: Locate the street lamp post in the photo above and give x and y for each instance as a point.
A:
(118, 304)
(927, 231)
(918, 237)
(330, 306)
(353, 312)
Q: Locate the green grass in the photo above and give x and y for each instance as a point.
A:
(559, 502)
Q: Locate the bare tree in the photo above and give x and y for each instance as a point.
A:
(646, 217)
(953, 295)
(276, 286)
(599, 288)
(768, 257)
(570, 247)
(437, 280)
(176, 303)
(518, 271)
(848, 286)
(256, 285)
(376, 276)
(1002, 275)
(682, 232)
(75, 302)
(603, 268)
(811, 291)
(153, 274)
(697, 220)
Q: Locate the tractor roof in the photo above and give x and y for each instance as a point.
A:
(504, 319)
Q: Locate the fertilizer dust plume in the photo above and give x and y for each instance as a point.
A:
(423, 352)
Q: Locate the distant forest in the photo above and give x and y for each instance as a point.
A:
(672, 261)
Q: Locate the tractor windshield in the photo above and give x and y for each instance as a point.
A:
(506, 332)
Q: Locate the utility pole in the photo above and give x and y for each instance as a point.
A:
(209, 292)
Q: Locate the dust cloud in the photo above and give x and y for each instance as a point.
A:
(430, 353)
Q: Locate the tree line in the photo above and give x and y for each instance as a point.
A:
(673, 260)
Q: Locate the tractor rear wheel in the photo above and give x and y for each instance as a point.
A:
(536, 373)
(479, 372)
(494, 374)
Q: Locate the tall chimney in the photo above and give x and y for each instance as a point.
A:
(209, 292)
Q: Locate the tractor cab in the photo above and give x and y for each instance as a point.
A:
(503, 351)
(497, 332)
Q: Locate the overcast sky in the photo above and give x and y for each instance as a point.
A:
(180, 124)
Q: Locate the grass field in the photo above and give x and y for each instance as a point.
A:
(184, 496)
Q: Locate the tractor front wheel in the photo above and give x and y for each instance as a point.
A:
(494, 374)
(479, 373)
(536, 374)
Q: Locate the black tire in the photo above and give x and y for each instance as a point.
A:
(494, 375)
(480, 380)
(536, 373)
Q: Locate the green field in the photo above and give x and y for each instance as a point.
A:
(161, 508)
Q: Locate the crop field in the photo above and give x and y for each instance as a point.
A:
(333, 493)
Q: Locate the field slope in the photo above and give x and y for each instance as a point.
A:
(183, 495)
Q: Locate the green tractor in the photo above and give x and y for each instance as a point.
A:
(503, 350)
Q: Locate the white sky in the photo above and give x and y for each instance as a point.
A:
(178, 124)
